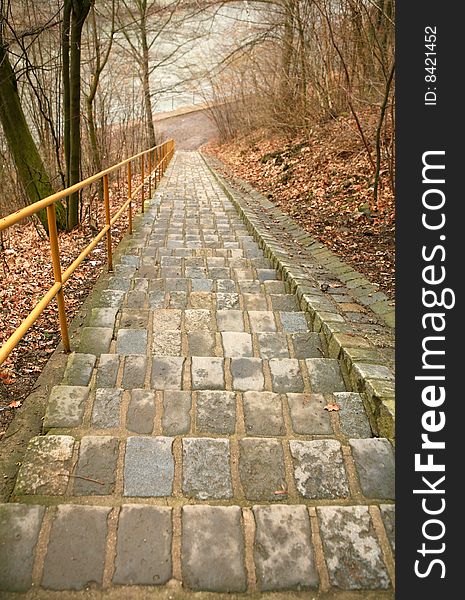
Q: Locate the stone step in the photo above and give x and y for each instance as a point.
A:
(205, 548)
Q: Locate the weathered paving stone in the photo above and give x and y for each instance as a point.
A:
(237, 343)
(207, 373)
(198, 320)
(167, 343)
(249, 287)
(107, 370)
(79, 369)
(254, 301)
(372, 371)
(148, 466)
(308, 416)
(285, 302)
(226, 286)
(105, 412)
(216, 412)
(388, 514)
(202, 285)
(66, 406)
(212, 549)
(176, 418)
(352, 416)
(319, 469)
(96, 463)
(131, 341)
(266, 274)
(157, 299)
(374, 461)
(134, 319)
(103, 317)
(135, 367)
(143, 549)
(119, 283)
(141, 411)
(201, 343)
(261, 468)
(351, 549)
(325, 375)
(261, 320)
(227, 301)
(286, 375)
(95, 340)
(178, 284)
(293, 322)
(202, 300)
(19, 531)
(230, 320)
(247, 374)
(76, 550)
(307, 345)
(111, 299)
(136, 299)
(167, 372)
(273, 345)
(263, 414)
(283, 551)
(166, 320)
(206, 470)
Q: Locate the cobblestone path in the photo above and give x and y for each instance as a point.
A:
(188, 446)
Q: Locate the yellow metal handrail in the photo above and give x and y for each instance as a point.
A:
(158, 159)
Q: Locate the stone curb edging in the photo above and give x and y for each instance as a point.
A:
(367, 372)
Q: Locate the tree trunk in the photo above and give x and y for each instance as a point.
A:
(80, 10)
(146, 81)
(28, 162)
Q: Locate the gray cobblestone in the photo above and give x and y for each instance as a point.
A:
(325, 375)
(307, 345)
(167, 372)
(374, 461)
(141, 411)
(207, 373)
(273, 345)
(19, 531)
(282, 550)
(143, 550)
(45, 457)
(135, 367)
(319, 469)
(201, 343)
(134, 319)
(76, 550)
(263, 414)
(166, 320)
(230, 320)
(212, 549)
(131, 341)
(237, 343)
(107, 370)
(286, 375)
(206, 470)
(66, 406)
(95, 340)
(148, 466)
(261, 468)
(96, 463)
(352, 416)
(103, 317)
(352, 552)
(105, 412)
(308, 416)
(293, 322)
(79, 369)
(176, 418)
(261, 320)
(216, 412)
(247, 374)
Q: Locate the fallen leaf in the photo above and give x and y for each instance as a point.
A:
(15, 404)
(332, 406)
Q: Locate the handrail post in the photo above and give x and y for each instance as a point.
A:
(156, 165)
(55, 252)
(130, 196)
(142, 173)
(150, 174)
(106, 200)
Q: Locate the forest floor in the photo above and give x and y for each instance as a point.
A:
(324, 182)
